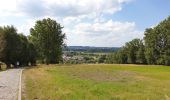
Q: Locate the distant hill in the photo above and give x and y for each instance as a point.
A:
(91, 49)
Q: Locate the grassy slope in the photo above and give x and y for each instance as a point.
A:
(97, 82)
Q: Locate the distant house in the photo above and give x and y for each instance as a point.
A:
(70, 57)
(80, 58)
(65, 57)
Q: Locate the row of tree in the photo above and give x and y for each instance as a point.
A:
(153, 49)
(15, 48)
(44, 43)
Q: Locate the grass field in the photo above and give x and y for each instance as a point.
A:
(96, 82)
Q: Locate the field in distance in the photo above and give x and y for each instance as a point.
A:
(96, 82)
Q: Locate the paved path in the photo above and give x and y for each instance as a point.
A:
(9, 84)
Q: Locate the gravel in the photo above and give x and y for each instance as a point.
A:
(9, 84)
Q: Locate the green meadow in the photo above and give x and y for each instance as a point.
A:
(96, 82)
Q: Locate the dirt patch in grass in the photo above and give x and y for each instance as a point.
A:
(104, 76)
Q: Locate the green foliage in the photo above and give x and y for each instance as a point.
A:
(9, 48)
(14, 47)
(48, 38)
(110, 58)
(117, 57)
(121, 57)
(32, 54)
(28, 52)
(157, 43)
(102, 59)
(155, 50)
(141, 55)
(132, 52)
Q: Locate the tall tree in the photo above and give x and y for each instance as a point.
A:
(118, 57)
(134, 50)
(23, 56)
(150, 51)
(9, 48)
(32, 54)
(140, 53)
(27, 52)
(157, 42)
(48, 38)
(14, 47)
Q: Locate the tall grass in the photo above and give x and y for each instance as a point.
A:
(97, 82)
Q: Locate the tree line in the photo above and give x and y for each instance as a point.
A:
(154, 48)
(15, 47)
(44, 43)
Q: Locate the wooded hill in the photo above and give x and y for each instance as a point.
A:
(91, 49)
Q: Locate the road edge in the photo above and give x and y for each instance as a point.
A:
(20, 86)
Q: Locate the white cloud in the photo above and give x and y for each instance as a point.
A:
(26, 27)
(84, 21)
(108, 33)
(7, 7)
(37, 8)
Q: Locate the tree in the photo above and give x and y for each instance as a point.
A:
(2, 42)
(140, 54)
(150, 51)
(118, 57)
(154, 50)
(157, 43)
(27, 52)
(135, 51)
(23, 56)
(9, 47)
(110, 58)
(102, 59)
(48, 38)
(14, 47)
(32, 54)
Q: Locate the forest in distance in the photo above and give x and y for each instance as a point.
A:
(91, 49)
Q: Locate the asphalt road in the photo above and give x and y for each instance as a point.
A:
(9, 84)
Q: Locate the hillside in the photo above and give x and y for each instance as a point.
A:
(91, 49)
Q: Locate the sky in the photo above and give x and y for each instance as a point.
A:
(100, 23)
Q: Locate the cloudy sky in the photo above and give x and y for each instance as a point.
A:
(105, 23)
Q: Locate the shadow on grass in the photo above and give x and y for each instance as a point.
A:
(4, 68)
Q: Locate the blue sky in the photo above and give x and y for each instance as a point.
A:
(144, 13)
(105, 23)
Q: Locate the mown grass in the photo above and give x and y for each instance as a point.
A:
(97, 82)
